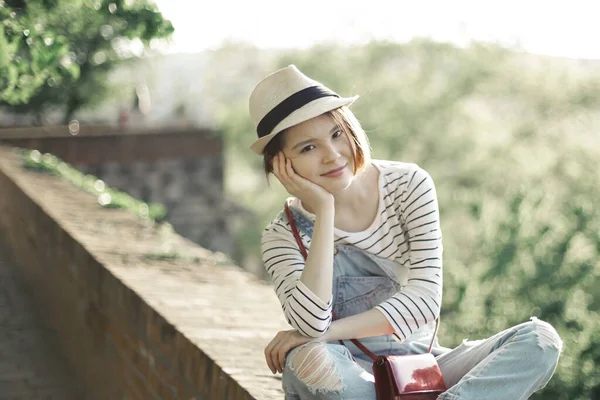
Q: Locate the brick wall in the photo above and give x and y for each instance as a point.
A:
(133, 325)
(181, 168)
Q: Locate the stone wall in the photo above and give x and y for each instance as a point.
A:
(191, 189)
(181, 168)
(133, 323)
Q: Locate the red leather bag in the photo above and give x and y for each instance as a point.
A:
(408, 377)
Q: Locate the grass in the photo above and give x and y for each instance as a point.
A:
(107, 197)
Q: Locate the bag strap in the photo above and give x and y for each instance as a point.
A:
(292, 222)
(358, 344)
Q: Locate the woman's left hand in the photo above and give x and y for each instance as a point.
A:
(283, 342)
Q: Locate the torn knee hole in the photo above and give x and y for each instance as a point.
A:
(315, 366)
(547, 335)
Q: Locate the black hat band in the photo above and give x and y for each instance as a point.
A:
(289, 105)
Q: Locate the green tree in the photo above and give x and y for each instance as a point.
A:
(55, 54)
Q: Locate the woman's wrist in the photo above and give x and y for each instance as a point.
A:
(325, 208)
(328, 335)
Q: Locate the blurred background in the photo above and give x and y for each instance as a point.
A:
(498, 101)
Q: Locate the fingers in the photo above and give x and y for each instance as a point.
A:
(281, 168)
(295, 184)
(276, 350)
(275, 353)
(269, 350)
(277, 165)
(288, 168)
(281, 358)
(277, 361)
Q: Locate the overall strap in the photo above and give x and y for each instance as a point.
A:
(358, 344)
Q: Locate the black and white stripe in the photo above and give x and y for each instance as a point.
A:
(407, 230)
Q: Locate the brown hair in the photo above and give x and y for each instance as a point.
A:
(347, 122)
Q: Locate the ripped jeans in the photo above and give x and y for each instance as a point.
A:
(510, 365)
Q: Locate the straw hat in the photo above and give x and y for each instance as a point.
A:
(286, 98)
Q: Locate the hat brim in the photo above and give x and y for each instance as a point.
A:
(310, 110)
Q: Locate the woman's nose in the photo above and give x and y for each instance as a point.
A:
(331, 154)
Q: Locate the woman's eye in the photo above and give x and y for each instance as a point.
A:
(337, 134)
(307, 148)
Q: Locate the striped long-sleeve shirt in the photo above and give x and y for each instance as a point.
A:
(406, 230)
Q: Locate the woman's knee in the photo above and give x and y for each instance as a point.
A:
(314, 365)
(545, 335)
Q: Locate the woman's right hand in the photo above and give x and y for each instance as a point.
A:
(311, 194)
(282, 343)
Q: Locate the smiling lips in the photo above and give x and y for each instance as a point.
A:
(334, 173)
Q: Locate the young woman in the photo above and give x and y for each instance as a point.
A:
(374, 262)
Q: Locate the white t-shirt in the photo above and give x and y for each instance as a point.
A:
(406, 230)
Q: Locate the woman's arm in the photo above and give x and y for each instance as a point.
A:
(366, 324)
(419, 301)
(369, 323)
(304, 287)
(318, 270)
(284, 262)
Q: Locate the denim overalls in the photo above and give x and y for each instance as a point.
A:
(360, 282)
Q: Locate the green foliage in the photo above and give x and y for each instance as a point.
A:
(512, 143)
(107, 196)
(62, 50)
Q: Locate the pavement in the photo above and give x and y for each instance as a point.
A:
(31, 364)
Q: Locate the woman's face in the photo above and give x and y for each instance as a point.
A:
(321, 152)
